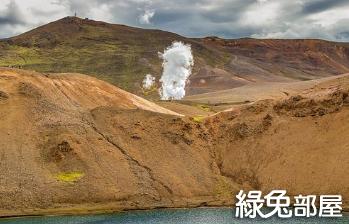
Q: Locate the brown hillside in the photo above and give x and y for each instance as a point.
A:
(71, 144)
(296, 59)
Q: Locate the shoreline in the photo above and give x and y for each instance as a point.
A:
(107, 211)
(99, 209)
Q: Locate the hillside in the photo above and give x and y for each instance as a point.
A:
(73, 144)
(254, 92)
(122, 56)
(118, 54)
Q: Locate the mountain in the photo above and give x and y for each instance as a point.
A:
(122, 56)
(73, 144)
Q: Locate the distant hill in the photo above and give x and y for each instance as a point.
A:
(122, 55)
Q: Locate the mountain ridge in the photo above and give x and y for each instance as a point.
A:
(123, 55)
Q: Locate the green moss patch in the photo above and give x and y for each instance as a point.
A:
(204, 107)
(147, 92)
(223, 188)
(69, 176)
(198, 118)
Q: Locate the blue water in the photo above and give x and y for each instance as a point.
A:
(185, 216)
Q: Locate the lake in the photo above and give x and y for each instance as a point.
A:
(166, 216)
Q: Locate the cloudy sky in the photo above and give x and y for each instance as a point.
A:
(325, 19)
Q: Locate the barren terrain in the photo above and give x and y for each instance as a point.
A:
(74, 144)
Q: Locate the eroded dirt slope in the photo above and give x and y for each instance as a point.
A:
(71, 144)
(126, 154)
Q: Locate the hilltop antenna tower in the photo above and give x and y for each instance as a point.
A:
(75, 14)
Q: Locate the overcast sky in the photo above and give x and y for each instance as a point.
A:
(325, 19)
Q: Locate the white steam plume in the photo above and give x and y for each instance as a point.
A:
(177, 65)
(148, 82)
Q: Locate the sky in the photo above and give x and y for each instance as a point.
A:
(323, 19)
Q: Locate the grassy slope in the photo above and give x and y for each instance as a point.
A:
(118, 54)
(123, 55)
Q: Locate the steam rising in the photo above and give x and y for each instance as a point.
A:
(177, 66)
(148, 82)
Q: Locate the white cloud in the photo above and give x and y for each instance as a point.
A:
(225, 18)
(330, 17)
(146, 17)
(102, 13)
(261, 13)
